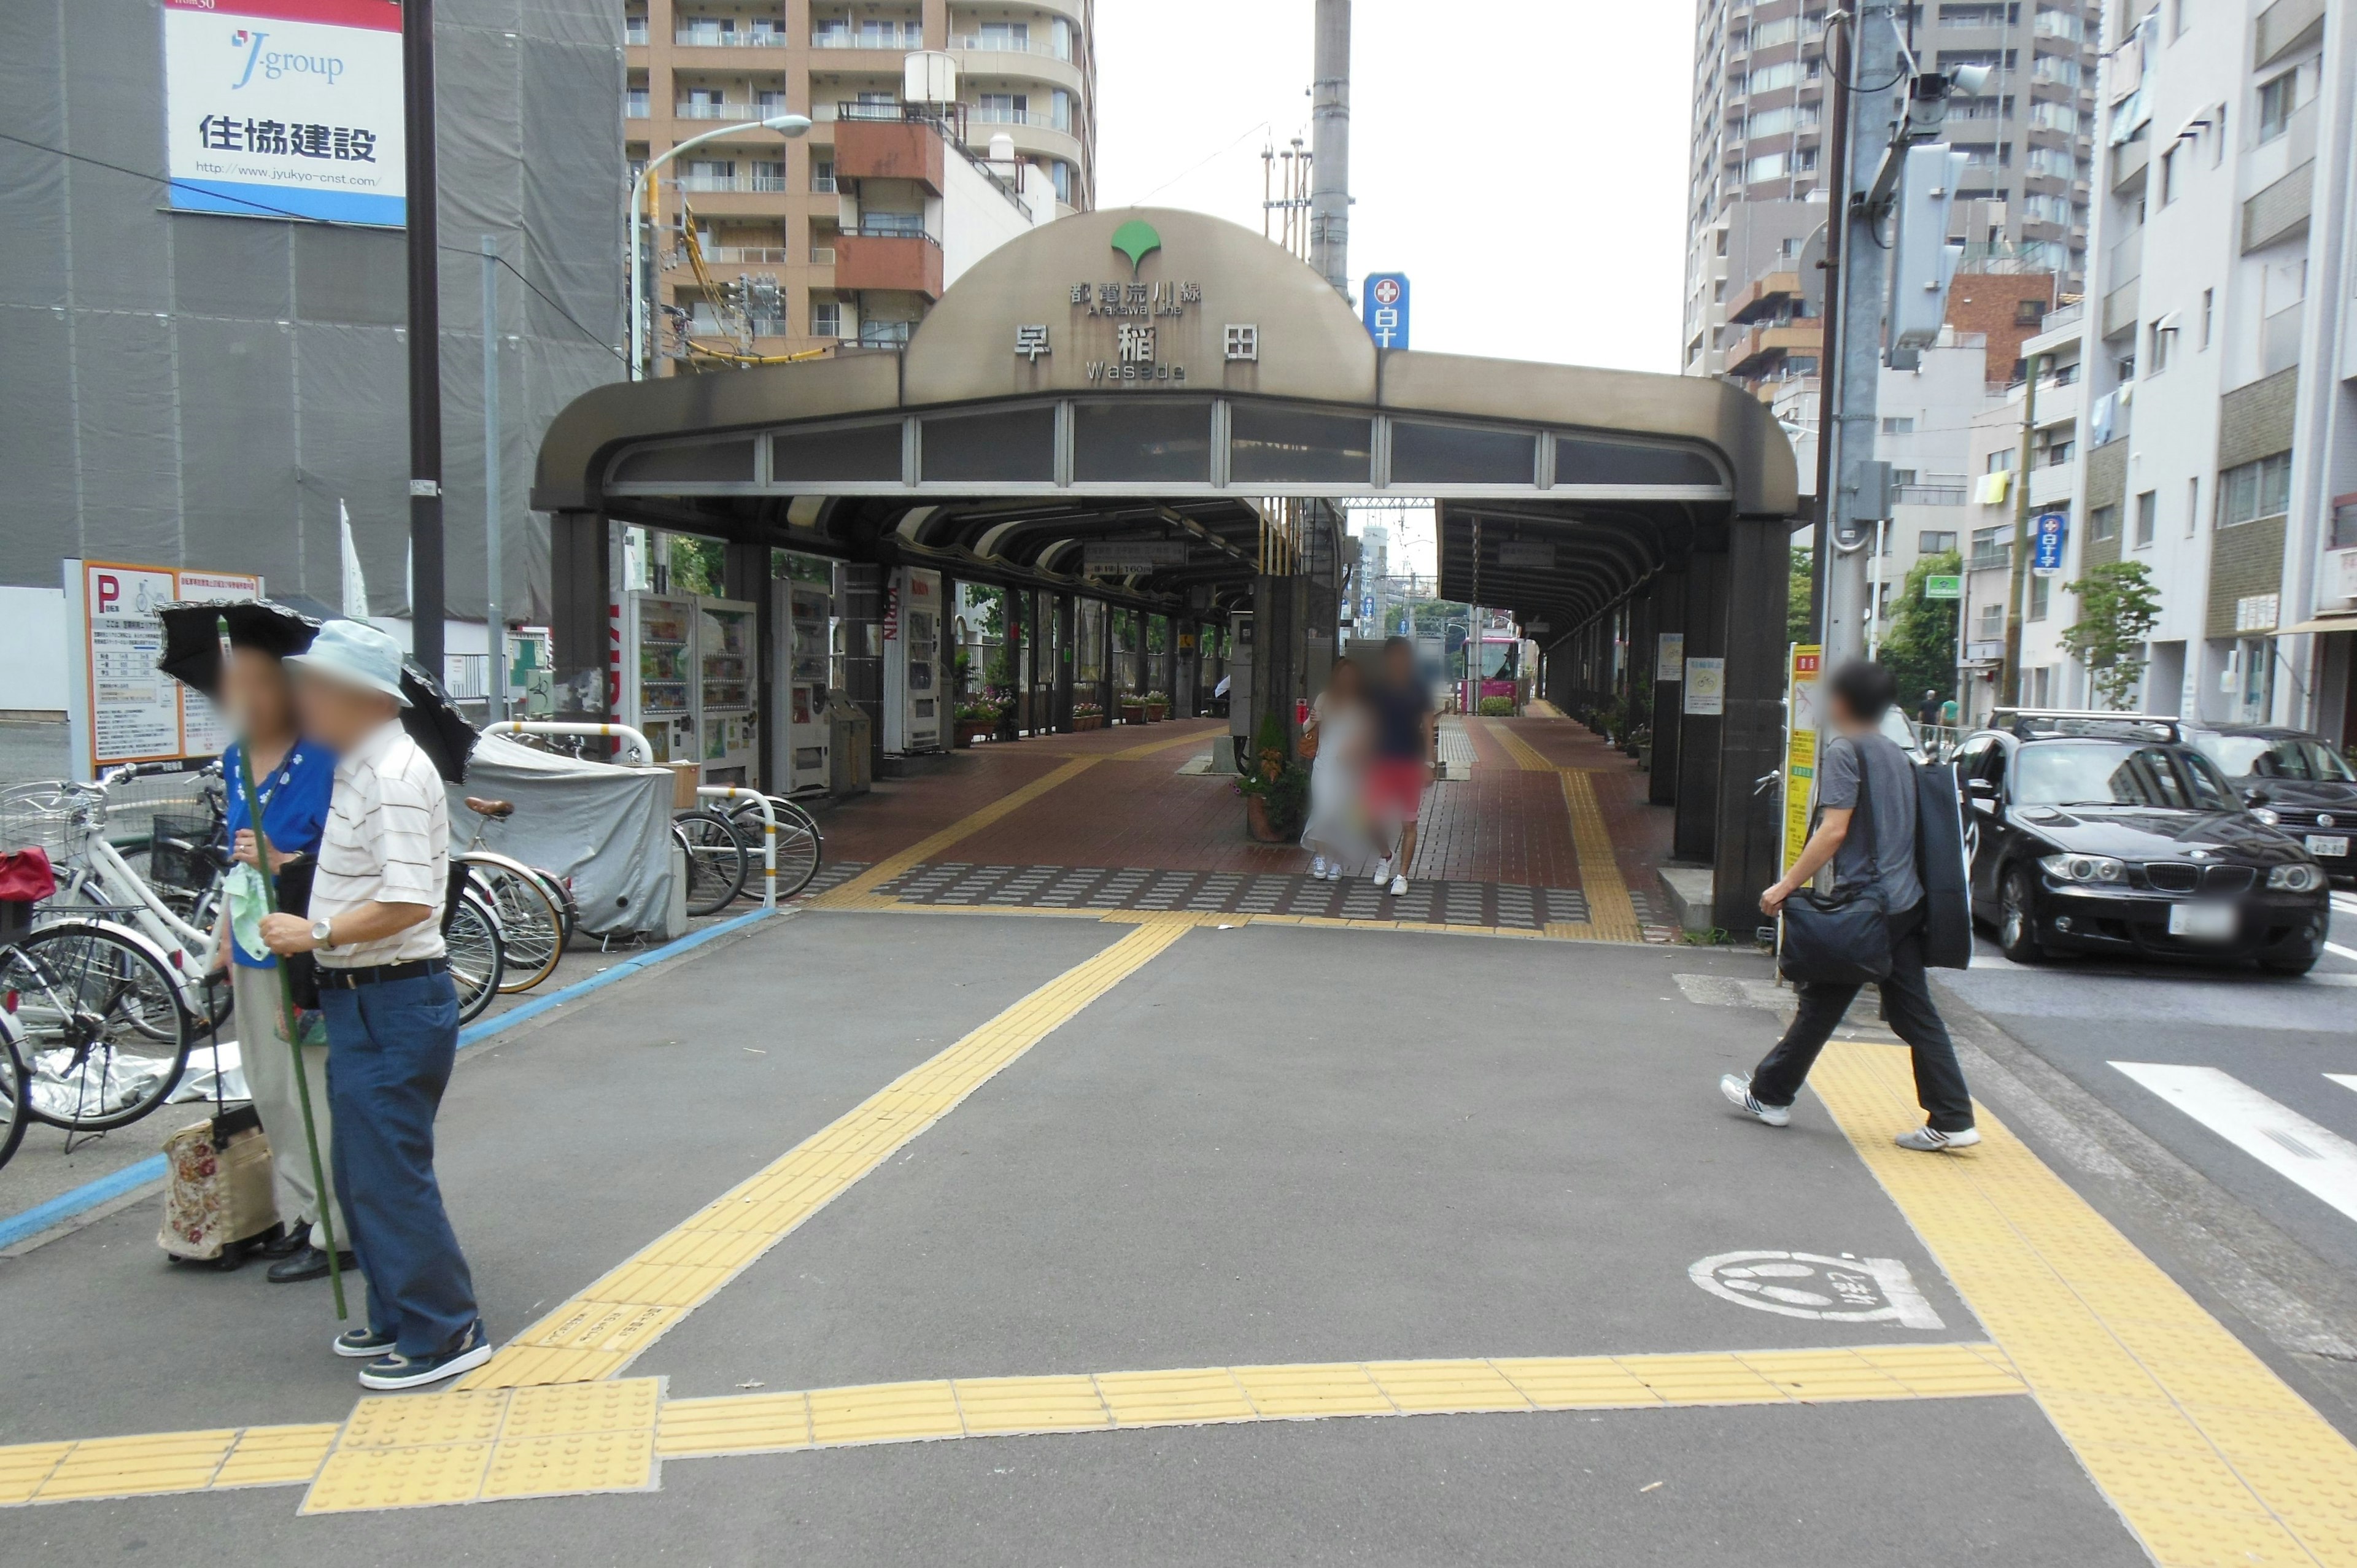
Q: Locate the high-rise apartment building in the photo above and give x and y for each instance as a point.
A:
(1759, 161)
(849, 234)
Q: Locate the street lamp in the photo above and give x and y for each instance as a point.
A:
(784, 125)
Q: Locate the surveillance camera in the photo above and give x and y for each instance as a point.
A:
(1970, 80)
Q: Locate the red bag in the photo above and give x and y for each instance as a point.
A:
(26, 876)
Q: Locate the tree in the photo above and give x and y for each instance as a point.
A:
(2118, 608)
(1921, 647)
(1801, 600)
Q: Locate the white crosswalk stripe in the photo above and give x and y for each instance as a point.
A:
(2278, 1137)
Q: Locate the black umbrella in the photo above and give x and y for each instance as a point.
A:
(192, 656)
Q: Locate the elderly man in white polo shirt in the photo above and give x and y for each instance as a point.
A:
(393, 1017)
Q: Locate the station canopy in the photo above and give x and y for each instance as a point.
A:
(1153, 383)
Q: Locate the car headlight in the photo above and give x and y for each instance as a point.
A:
(2267, 815)
(2298, 877)
(2084, 869)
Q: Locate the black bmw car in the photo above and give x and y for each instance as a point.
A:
(2293, 780)
(2108, 833)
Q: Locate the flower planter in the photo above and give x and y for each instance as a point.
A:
(1084, 722)
(1156, 712)
(1132, 712)
(1256, 823)
(972, 730)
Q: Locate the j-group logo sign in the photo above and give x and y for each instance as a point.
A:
(285, 109)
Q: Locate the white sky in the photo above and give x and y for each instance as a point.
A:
(1524, 161)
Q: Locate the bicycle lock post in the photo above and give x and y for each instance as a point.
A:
(286, 984)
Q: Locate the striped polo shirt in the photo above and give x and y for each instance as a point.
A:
(387, 841)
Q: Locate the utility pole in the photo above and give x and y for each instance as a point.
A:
(1330, 147)
(495, 624)
(425, 611)
(1851, 499)
(2017, 596)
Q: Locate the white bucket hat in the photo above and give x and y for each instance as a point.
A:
(354, 654)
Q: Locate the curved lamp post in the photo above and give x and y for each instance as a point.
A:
(784, 125)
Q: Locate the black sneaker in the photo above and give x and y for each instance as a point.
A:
(396, 1371)
(363, 1344)
(310, 1264)
(288, 1242)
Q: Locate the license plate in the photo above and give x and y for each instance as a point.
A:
(2203, 922)
(2336, 848)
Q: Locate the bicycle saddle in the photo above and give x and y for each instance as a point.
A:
(497, 810)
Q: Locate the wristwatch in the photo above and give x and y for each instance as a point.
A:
(321, 931)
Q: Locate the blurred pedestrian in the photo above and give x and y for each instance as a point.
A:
(291, 779)
(1404, 744)
(1336, 831)
(392, 1016)
(1927, 712)
(1862, 761)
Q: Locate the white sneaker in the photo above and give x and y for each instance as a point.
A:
(1736, 1086)
(1317, 868)
(1383, 873)
(1399, 885)
(1931, 1140)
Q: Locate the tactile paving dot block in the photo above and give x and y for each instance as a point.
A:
(575, 1462)
(417, 1420)
(358, 1478)
(626, 1404)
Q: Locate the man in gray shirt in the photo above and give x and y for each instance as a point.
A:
(1868, 835)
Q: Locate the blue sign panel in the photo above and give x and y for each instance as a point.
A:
(1367, 609)
(2049, 532)
(1382, 303)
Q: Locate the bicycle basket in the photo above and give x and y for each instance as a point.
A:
(177, 854)
(42, 818)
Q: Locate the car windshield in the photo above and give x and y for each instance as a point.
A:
(2115, 773)
(2275, 757)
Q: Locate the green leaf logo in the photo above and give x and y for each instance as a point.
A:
(1137, 240)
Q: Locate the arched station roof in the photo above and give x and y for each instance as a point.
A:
(1151, 374)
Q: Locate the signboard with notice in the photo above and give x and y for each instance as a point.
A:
(1705, 688)
(1803, 665)
(120, 707)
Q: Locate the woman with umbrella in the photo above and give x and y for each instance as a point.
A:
(292, 777)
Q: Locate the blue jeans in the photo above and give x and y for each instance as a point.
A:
(390, 1049)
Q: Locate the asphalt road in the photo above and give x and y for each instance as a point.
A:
(2279, 1037)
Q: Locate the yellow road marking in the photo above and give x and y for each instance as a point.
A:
(857, 892)
(2207, 1455)
(599, 1332)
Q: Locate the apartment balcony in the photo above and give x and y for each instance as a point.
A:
(2285, 25)
(703, 109)
(1764, 294)
(2129, 162)
(747, 255)
(716, 184)
(2281, 211)
(2120, 309)
(1759, 352)
(737, 38)
(2050, 486)
(892, 149)
(885, 260)
(1035, 61)
(1033, 137)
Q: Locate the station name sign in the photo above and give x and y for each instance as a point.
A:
(1143, 314)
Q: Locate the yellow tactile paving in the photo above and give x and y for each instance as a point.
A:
(1139, 753)
(857, 892)
(129, 1467)
(1422, 1388)
(1526, 755)
(357, 1480)
(276, 1456)
(737, 1423)
(461, 1446)
(596, 1333)
(1609, 911)
(885, 1412)
(1189, 1398)
(992, 1405)
(24, 1466)
(571, 1464)
(1337, 1389)
(2207, 1455)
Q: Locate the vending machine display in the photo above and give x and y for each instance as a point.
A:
(803, 613)
(726, 645)
(913, 687)
(658, 688)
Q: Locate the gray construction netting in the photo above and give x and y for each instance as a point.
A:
(201, 390)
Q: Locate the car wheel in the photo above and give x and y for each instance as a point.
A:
(2016, 922)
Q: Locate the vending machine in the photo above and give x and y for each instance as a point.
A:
(656, 689)
(913, 687)
(803, 611)
(727, 698)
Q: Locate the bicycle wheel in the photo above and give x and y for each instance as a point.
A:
(560, 894)
(800, 849)
(717, 862)
(532, 931)
(477, 954)
(14, 1114)
(105, 1038)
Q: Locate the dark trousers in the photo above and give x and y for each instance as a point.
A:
(390, 1049)
(1906, 1007)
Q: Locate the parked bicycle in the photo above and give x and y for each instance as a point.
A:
(535, 907)
(801, 848)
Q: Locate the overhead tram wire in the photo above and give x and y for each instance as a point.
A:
(306, 218)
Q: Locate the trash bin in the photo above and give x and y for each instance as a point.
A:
(849, 732)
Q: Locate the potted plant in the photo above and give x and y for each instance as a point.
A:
(1276, 788)
(1133, 708)
(1087, 716)
(1157, 707)
(977, 719)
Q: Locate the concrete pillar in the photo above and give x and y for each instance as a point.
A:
(861, 596)
(1750, 834)
(583, 604)
(1695, 835)
(1067, 627)
(1669, 615)
(745, 577)
(1278, 607)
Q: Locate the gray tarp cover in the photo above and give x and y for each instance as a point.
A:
(607, 828)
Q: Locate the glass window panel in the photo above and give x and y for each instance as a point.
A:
(1578, 461)
(1135, 439)
(1013, 446)
(714, 462)
(1296, 446)
(1452, 454)
(860, 452)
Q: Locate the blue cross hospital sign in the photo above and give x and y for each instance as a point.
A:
(1382, 303)
(2048, 533)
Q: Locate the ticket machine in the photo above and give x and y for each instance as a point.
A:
(914, 689)
(805, 611)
